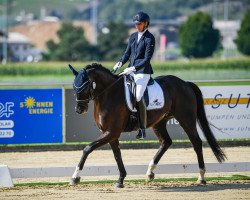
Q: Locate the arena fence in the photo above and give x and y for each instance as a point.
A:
(7, 174)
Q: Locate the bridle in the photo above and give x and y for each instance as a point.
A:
(91, 95)
(87, 84)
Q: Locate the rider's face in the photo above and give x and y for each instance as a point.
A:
(140, 26)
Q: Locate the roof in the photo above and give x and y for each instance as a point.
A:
(40, 32)
(17, 38)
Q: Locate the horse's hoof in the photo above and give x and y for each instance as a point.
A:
(201, 182)
(150, 177)
(75, 181)
(119, 185)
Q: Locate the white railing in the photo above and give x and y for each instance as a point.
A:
(7, 174)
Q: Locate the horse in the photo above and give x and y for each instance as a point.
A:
(183, 101)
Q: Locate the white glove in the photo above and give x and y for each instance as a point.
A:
(117, 66)
(129, 70)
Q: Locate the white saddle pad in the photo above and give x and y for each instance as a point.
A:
(155, 95)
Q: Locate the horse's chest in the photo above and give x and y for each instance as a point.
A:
(100, 120)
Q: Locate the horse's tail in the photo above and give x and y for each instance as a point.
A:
(204, 125)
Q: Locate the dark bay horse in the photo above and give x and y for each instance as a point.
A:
(183, 101)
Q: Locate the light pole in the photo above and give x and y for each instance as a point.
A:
(5, 32)
(94, 4)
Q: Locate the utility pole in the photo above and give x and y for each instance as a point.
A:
(5, 32)
(214, 9)
(226, 4)
(94, 18)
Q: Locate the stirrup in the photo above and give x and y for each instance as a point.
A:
(141, 134)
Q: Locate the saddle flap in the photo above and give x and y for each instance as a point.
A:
(153, 95)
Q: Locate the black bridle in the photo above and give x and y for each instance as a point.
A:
(91, 95)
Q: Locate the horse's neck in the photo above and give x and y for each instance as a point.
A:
(107, 88)
(104, 81)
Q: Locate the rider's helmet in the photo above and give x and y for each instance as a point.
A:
(141, 17)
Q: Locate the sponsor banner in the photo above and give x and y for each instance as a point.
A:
(82, 128)
(30, 116)
(227, 108)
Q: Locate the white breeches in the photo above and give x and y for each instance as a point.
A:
(141, 81)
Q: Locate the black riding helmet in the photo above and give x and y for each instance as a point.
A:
(141, 17)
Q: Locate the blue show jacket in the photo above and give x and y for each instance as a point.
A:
(140, 53)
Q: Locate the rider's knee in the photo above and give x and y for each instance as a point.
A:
(138, 96)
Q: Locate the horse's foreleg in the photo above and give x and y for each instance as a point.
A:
(117, 154)
(86, 151)
(165, 141)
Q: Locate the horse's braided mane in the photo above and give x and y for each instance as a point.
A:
(99, 67)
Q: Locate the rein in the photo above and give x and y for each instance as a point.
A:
(96, 96)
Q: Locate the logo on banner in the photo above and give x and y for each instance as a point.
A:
(37, 107)
(5, 109)
(5, 125)
(230, 101)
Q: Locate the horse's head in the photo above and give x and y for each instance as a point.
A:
(86, 81)
(82, 86)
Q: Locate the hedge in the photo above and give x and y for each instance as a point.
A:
(61, 68)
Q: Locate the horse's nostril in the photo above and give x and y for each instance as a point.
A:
(78, 110)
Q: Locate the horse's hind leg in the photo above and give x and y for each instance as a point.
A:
(188, 123)
(117, 154)
(165, 142)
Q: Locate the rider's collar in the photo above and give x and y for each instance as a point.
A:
(141, 33)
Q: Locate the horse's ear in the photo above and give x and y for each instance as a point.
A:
(73, 70)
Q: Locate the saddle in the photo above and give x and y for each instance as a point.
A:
(153, 94)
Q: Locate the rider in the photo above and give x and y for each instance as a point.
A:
(140, 50)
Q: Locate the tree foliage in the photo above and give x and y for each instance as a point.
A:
(72, 45)
(112, 43)
(243, 37)
(198, 38)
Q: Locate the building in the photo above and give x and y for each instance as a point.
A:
(228, 31)
(20, 49)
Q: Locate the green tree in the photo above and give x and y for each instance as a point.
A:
(112, 42)
(198, 38)
(243, 38)
(72, 45)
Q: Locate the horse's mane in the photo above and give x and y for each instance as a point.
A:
(101, 68)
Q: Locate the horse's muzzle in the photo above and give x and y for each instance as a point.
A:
(81, 108)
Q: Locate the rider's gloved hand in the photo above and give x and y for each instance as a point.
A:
(129, 70)
(117, 66)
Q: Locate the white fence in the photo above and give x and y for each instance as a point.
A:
(6, 174)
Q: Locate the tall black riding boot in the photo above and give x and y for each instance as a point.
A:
(142, 116)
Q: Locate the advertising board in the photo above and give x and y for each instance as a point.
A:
(30, 116)
(227, 108)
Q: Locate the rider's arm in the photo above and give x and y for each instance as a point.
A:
(127, 52)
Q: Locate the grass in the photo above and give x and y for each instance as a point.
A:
(160, 180)
(121, 142)
(191, 75)
(207, 74)
(194, 70)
